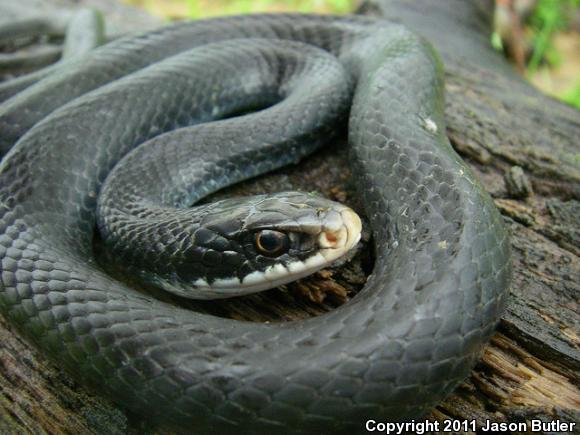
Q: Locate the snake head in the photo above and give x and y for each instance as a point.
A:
(246, 245)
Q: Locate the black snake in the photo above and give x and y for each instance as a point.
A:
(442, 256)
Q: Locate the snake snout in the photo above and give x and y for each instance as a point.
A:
(340, 234)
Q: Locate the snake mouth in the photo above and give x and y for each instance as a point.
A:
(339, 233)
(335, 240)
(346, 237)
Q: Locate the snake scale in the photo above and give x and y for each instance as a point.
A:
(442, 265)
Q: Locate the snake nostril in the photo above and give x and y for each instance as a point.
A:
(328, 239)
(332, 239)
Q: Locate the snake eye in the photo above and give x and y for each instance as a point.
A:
(272, 243)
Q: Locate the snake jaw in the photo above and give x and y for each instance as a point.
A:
(336, 239)
(346, 237)
(338, 231)
(338, 235)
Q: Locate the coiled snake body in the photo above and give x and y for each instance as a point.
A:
(442, 256)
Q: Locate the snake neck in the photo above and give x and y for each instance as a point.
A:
(142, 219)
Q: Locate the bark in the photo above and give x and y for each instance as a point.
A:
(522, 145)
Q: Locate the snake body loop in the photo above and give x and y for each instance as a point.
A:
(433, 299)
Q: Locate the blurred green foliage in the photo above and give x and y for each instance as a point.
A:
(572, 97)
(196, 7)
(550, 17)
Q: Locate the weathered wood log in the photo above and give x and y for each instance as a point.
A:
(523, 145)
